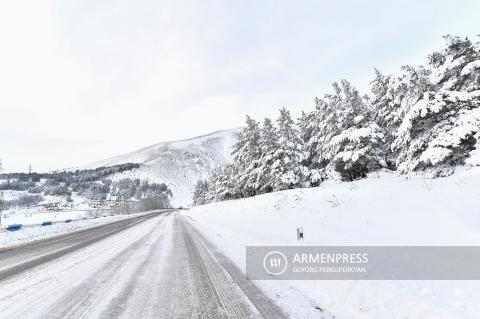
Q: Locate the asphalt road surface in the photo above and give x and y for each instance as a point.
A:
(153, 266)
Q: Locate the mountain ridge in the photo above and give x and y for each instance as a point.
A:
(179, 164)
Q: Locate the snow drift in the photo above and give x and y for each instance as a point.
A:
(380, 210)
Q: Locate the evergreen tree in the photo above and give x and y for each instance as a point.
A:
(200, 193)
(425, 117)
(442, 127)
(345, 138)
(393, 97)
(246, 155)
(222, 184)
(287, 169)
(306, 125)
(269, 144)
(384, 113)
(359, 149)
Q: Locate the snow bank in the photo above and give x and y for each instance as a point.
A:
(381, 210)
(36, 218)
(36, 232)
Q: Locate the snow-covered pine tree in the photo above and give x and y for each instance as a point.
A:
(360, 149)
(392, 98)
(345, 138)
(306, 126)
(309, 124)
(474, 158)
(442, 127)
(246, 155)
(384, 112)
(320, 128)
(426, 117)
(200, 193)
(269, 143)
(222, 184)
(285, 162)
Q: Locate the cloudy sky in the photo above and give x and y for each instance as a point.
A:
(82, 80)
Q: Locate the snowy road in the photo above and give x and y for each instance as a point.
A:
(153, 266)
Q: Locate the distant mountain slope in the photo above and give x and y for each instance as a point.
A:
(179, 164)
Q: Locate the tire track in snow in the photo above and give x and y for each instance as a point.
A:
(160, 269)
(236, 292)
(31, 293)
(89, 298)
(18, 259)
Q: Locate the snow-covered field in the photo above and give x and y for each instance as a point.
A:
(34, 232)
(380, 210)
(76, 209)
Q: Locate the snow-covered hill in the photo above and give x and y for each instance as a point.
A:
(179, 164)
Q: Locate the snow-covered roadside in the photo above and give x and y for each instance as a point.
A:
(36, 232)
(386, 210)
(40, 217)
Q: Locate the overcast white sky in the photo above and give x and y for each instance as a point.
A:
(82, 80)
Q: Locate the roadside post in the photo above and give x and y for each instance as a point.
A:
(300, 233)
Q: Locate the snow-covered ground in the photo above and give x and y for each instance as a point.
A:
(179, 164)
(34, 215)
(76, 209)
(380, 210)
(34, 232)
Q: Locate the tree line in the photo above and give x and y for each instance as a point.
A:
(95, 184)
(426, 118)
